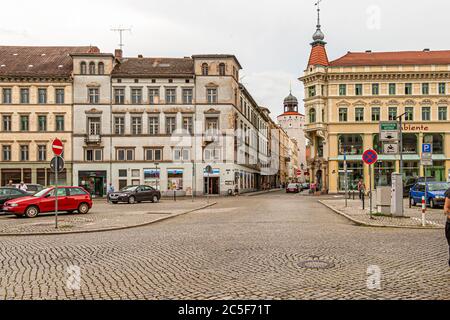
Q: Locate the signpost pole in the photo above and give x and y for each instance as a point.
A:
(345, 178)
(56, 192)
(401, 158)
(370, 190)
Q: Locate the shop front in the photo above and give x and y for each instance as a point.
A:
(95, 182)
(437, 171)
(211, 182)
(175, 179)
(383, 171)
(152, 178)
(355, 172)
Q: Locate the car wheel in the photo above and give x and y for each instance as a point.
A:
(131, 200)
(83, 208)
(32, 212)
(155, 199)
(432, 205)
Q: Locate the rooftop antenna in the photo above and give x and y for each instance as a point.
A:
(121, 30)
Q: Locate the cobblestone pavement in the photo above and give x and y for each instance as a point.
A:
(274, 246)
(434, 218)
(102, 216)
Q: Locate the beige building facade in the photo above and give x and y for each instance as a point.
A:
(347, 98)
(35, 108)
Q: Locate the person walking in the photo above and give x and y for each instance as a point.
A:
(110, 191)
(447, 226)
(361, 188)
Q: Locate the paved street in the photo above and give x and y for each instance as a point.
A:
(273, 246)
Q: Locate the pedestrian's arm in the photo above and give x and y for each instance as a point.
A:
(447, 207)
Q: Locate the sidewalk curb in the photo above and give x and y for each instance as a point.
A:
(365, 224)
(258, 193)
(107, 229)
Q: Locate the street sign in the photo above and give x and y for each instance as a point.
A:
(370, 157)
(57, 147)
(427, 162)
(427, 154)
(427, 148)
(389, 131)
(390, 148)
(299, 172)
(57, 164)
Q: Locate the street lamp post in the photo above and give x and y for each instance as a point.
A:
(157, 177)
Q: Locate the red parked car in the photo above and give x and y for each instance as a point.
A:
(70, 199)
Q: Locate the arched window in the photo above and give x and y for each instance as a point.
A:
(91, 68)
(101, 68)
(205, 69)
(350, 144)
(222, 69)
(83, 67)
(312, 115)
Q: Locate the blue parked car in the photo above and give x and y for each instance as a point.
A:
(435, 193)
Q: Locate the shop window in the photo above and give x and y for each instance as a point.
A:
(175, 179)
(411, 169)
(437, 171)
(410, 142)
(152, 178)
(377, 145)
(437, 140)
(355, 172)
(350, 144)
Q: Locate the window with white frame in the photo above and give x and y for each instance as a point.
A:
(153, 154)
(187, 96)
(171, 95)
(93, 155)
(211, 94)
(119, 125)
(187, 124)
(181, 154)
(125, 154)
(94, 95)
(136, 96)
(212, 154)
(153, 95)
(136, 125)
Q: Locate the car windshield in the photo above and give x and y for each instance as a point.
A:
(41, 193)
(438, 186)
(129, 188)
(292, 185)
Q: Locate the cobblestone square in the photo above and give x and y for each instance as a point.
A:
(271, 246)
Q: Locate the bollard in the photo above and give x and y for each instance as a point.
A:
(424, 210)
(174, 195)
(362, 198)
(410, 201)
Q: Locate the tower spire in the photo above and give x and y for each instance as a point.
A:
(318, 36)
(318, 54)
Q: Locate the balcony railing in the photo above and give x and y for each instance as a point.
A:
(93, 139)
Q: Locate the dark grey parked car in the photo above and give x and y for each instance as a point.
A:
(135, 194)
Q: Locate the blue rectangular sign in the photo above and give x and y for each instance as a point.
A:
(427, 148)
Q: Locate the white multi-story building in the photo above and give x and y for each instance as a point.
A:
(163, 121)
(293, 123)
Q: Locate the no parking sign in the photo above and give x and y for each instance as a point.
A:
(370, 157)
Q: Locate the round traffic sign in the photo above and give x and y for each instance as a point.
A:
(57, 164)
(57, 147)
(370, 157)
(299, 172)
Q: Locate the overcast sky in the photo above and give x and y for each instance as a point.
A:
(270, 37)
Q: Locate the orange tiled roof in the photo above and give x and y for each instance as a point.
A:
(318, 56)
(291, 113)
(392, 58)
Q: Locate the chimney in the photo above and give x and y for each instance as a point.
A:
(426, 50)
(368, 51)
(140, 56)
(118, 53)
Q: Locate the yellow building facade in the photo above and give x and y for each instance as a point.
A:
(347, 98)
